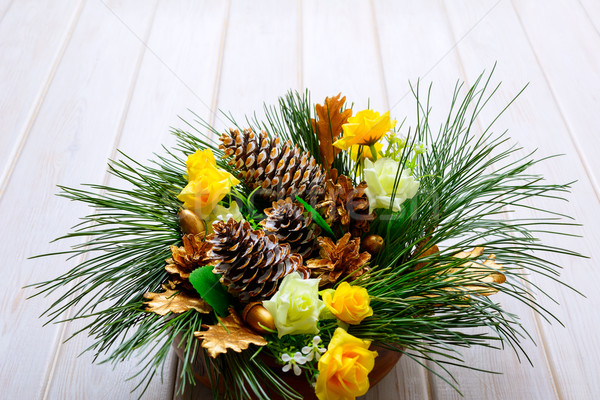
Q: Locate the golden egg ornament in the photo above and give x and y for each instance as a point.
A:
(372, 244)
(190, 223)
(258, 318)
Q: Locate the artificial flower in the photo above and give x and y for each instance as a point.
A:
(296, 306)
(381, 179)
(313, 351)
(365, 151)
(350, 304)
(365, 128)
(344, 368)
(207, 183)
(293, 362)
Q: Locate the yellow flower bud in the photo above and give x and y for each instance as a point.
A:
(349, 304)
(344, 368)
(207, 184)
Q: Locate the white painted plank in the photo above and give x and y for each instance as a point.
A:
(592, 10)
(535, 121)
(260, 61)
(567, 47)
(70, 140)
(179, 72)
(4, 7)
(431, 59)
(32, 38)
(182, 55)
(340, 53)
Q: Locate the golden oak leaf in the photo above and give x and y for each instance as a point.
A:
(174, 301)
(230, 333)
(484, 272)
(329, 126)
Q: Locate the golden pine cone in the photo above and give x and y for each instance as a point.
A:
(338, 260)
(193, 254)
(287, 222)
(346, 206)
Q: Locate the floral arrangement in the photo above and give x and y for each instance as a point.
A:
(308, 245)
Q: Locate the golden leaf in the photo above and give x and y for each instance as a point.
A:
(426, 253)
(174, 301)
(230, 333)
(329, 126)
(486, 272)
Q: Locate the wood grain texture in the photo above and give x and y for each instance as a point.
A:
(260, 58)
(435, 59)
(32, 39)
(78, 81)
(560, 35)
(69, 143)
(535, 121)
(339, 52)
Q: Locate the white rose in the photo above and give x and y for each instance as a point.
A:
(380, 177)
(296, 306)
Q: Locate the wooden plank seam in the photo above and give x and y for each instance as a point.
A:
(20, 143)
(63, 326)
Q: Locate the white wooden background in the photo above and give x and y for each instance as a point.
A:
(79, 79)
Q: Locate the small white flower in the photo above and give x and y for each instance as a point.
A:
(299, 358)
(314, 351)
(293, 362)
(316, 340)
(420, 148)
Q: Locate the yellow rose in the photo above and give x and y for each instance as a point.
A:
(207, 184)
(349, 304)
(344, 368)
(198, 162)
(365, 128)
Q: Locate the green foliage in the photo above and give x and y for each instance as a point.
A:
(210, 289)
(469, 181)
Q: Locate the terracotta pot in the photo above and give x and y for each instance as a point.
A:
(384, 363)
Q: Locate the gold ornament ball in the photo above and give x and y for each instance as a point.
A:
(372, 244)
(190, 223)
(257, 317)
